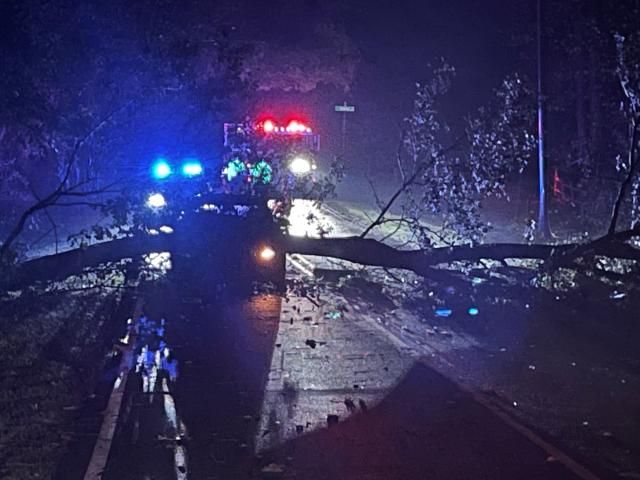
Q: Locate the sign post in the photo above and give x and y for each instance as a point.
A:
(344, 109)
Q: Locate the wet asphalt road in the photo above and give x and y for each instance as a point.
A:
(208, 415)
(255, 399)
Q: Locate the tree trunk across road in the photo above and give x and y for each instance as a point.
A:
(354, 249)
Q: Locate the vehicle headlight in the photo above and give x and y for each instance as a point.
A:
(300, 166)
(266, 253)
(156, 200)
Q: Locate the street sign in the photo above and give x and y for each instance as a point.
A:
(345, 108)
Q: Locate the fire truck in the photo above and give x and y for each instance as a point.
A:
(199, 209)
(295, 137)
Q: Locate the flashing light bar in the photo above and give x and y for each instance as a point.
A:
(268, 126)
(191, 168)
(294, 127)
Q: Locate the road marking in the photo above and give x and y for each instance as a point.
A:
(561, 457)
(572, 465)
(300, 267)
(304, 260)
(98, 461)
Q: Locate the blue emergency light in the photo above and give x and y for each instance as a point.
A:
(191, 168)
(161, 169)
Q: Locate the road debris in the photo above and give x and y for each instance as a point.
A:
(273, 470)
(332, 420)
(351, 407)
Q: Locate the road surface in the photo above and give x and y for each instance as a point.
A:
(305, 387)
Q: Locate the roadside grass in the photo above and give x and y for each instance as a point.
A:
(52, 349)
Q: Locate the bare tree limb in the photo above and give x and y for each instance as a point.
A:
(62, 189)
(622, 192)
(421, 166)
(627, 83)
(391, 201)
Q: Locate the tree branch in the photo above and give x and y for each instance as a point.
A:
(622, 192)
(391, 201)
(407, 182)
(364, 251)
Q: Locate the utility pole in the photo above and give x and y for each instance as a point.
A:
(543, 225)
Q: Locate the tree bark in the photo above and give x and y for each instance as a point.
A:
(354, 249)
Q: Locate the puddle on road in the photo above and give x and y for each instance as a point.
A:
(158, 261)
(306, 220)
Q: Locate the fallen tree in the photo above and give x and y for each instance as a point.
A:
(447, 181)
(427, 263)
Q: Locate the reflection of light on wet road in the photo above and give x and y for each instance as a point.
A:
(306, 219)
(180, 461)
(177, 429)
(158, 260)
(118, 382)
(169, 406)
(301, 264)
(158, 376)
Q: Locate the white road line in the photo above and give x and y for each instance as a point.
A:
(300, 267)
(304, 260)
(561, 457)
(569, 463)
(101, 449)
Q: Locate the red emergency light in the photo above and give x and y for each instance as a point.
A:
(268, 126)
(294, 127)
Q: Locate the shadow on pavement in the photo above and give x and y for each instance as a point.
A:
(425, 428)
